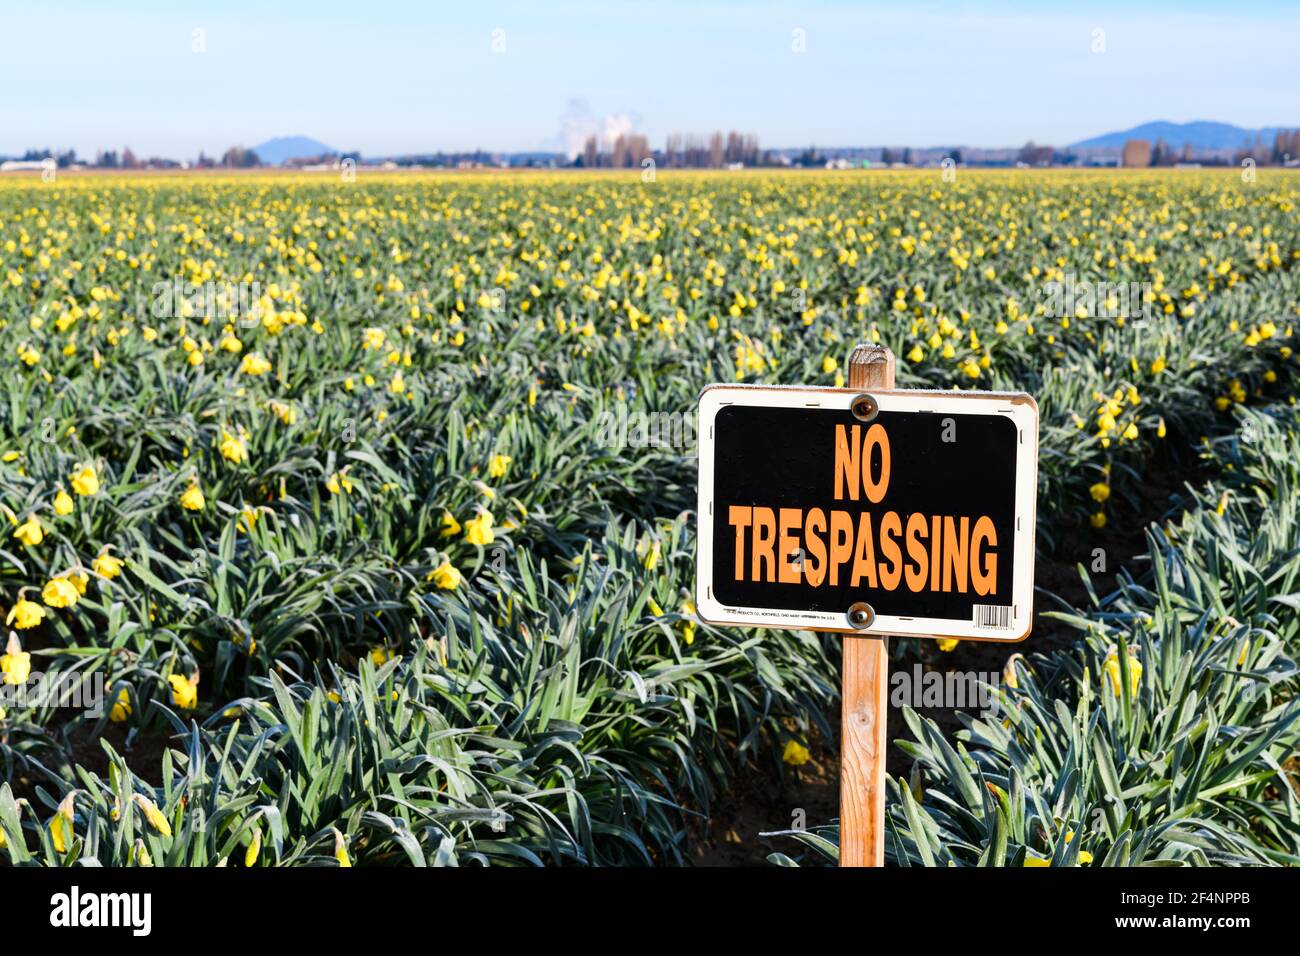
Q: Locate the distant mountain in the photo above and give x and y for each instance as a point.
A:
(275, 151)
(1202, 134)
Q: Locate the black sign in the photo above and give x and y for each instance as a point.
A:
(899, 512)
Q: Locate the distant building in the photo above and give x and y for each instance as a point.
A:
(23, 165)
(1137, 152)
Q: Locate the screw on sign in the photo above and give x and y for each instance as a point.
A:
(871, 512)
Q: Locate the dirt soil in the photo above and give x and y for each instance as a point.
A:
(761, 800)
(143, 755)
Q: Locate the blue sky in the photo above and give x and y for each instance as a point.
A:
(393, 77)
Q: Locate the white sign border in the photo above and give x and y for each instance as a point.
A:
(1020, 408)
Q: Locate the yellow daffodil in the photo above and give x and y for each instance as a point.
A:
(63, 503)
(254, 364)
(156, 818)
(338, 483)
(688, 631)
(450, 526)
(478, 530)
(1009, 675)
(121, 708)
(185, 690)
(341, 848)
(499, 465)
(651, 559)
(192, 498)
(1111, 667)
(107, 566)
(30, 532)
(61, 832)
(25, 614)
(15, 664)
(254, 848)
(445, 576)
(84, 480)
(689, 624)
(233, 448)
(59, 592)
(795, 753)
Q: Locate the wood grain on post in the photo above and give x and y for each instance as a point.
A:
(865, 693)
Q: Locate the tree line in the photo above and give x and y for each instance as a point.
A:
(236, 157)
(681, 151)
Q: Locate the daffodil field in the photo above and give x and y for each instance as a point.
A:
(315, 509)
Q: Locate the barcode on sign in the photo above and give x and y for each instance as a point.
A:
(993, 615)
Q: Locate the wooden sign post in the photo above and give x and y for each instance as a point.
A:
(864, 696)
(869, 512)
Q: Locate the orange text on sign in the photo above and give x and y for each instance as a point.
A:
(883, 550)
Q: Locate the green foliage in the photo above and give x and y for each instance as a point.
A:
(433, 609)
